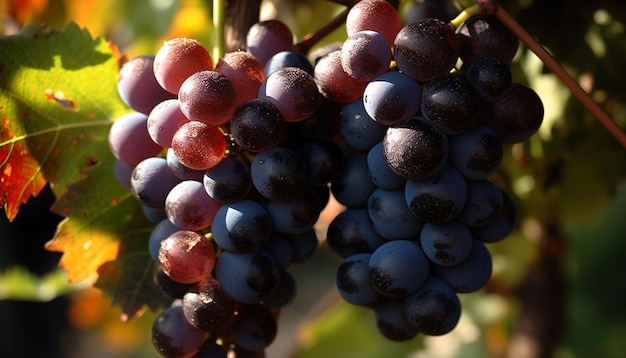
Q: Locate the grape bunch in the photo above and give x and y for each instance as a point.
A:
(234, 161)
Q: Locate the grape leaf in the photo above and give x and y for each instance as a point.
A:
(58, 99)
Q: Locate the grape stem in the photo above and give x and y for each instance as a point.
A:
(489, 7)
(219, 42)
(309, 40)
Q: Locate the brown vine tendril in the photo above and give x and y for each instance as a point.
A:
(490, 7)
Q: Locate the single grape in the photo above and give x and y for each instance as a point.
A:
(160, 232)
(392, 322)
(450, 103)
(293, 91)
(476, 153)
(426, 49)
(415, 149)
(188, 206)
(294, 216)
(392, 98)
(267, 38)
(199, 145)
(439, 198)
(187, 257)
(163, 121)
(351, 233)
(244, 71)
(288, 59)
(208, 96)
(257, 125)
(177, 59)
(501, 225)
(210, 349)
(357, 128)
(391, 217)
(516, 116)
(173, 336)
(353, 281)
(486, 36)
(446, 244)
(365, 55)
(151, 181)
(241, 226)
(180, 170)
(228, 181)
(398, 268)
(207, 307)
(380, 172)
(123, 172)
(323, 158)
(129, 140)
(255, 328)
(434, 309)
(375, 15)
(278, 173)
(303, 245)
(169, 287)
(280, 249)
(484, 202)
(426, 9)
(490, 77)
(471, 274)
(353, 186)
(284, 294)
(333, 82)
(247, 277)
(138, 87)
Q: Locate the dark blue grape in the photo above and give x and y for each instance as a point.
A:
(247, 277)
(174, 336)
(391, 98)
(415, 149)
(323, 158)
(151, 181)
(490, 77)
(295, 216)
(208, 307)
(303, 245)
(434, 309)
(228, 181)
(437, 199)
(398, 268)
(353, 280)
(450, 103)
(484, 35)
(426, 49)
(288, 59)
(351, 232)
(476, 153)
(257, 125)
(446, 244)
(516, 116)
(255, 328)
(484, 202)
(180, 170)
(471, 274)
(391, 217)
(380, 172)
(392, 322)
(501, 225)
(278, 173)
(284, 294)
(241, 226)
(353, 186)
(357, 128)
(281, 250)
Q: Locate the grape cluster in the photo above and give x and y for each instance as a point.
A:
(425, 133)
(234, 161)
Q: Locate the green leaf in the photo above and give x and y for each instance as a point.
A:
(58, 99)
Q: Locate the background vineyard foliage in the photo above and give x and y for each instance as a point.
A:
(557, 280)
